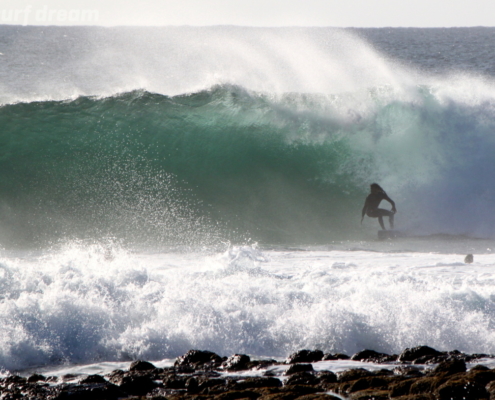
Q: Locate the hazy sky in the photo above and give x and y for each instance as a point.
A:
(340, 13)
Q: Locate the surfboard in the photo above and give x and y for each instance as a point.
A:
(382, 235)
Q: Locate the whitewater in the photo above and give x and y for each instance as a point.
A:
(177, 188)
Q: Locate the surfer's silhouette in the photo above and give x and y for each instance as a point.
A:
(373, 201)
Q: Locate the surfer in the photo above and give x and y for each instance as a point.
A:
(373, 201)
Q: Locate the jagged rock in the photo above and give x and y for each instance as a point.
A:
(407, 370)
(370, 395)
(36, 378)
(235, 395)
(482, 376)
(192, 385)
(174, 382)
(294, 368)
(302, 378)
(237, 362)
(401, 388)
(373, 356)
(326, 377)
(450, 367)
(257, 382)
(207, 385)
(140, 365)
(137, 385)
(93, 379)
(353, 374)
(99, 391)
(370, 382)
(409, 355)
(461, 390)
(198, 359)
(305, 356)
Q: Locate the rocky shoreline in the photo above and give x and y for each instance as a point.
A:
(199, 375)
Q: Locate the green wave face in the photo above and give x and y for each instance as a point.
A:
(228, 164)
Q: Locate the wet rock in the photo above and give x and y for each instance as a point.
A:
(137, 385)
(237, 362)
(257, 382)
(370, 395)
(373, 356)
(450, 367)
(401, 388)
(197, 359)
(353, 374)
(235, 395)
(36, 378)
(93, 379)
(410, 355)
(371, 382)
(407, 370)
(326, 378)
(302, 378)
(140, 365)
(174, 382)
(337, 356)
(212, 385)
(462, 390)
(294, 368)
(482, 376)
(101, 391)
(305, 356)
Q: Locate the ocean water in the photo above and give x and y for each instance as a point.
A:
(164, 189)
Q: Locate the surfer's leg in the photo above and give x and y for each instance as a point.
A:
(380, 213)
(380, 220)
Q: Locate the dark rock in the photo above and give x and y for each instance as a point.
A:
(370, 395)
(401, 388)
(318, 396)
(140, 365)
(326, 377)
(69, 377)
(481, 376)
(93, 379)
(198, 359)
(208, 386)
(353, 374)
(409, 355)
(305, 356)
(461, 390)
(479, 368)
(367, 383)
(450, 367)
(407, 370)
(373, 356)
(302, 378)
(235, 395)
(257, 382)
(100, 391)
(261, 364)
(294, 368)
(174, 382)
(13, 379)
(237, 362)
(338, 356)
(299, 390)
(135, 384)
(426, 384)
(192, 385)
(36, 378)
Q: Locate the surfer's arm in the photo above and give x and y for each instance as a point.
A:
(363, 213)
(394, 210)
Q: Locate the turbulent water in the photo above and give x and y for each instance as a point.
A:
(135, 162)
